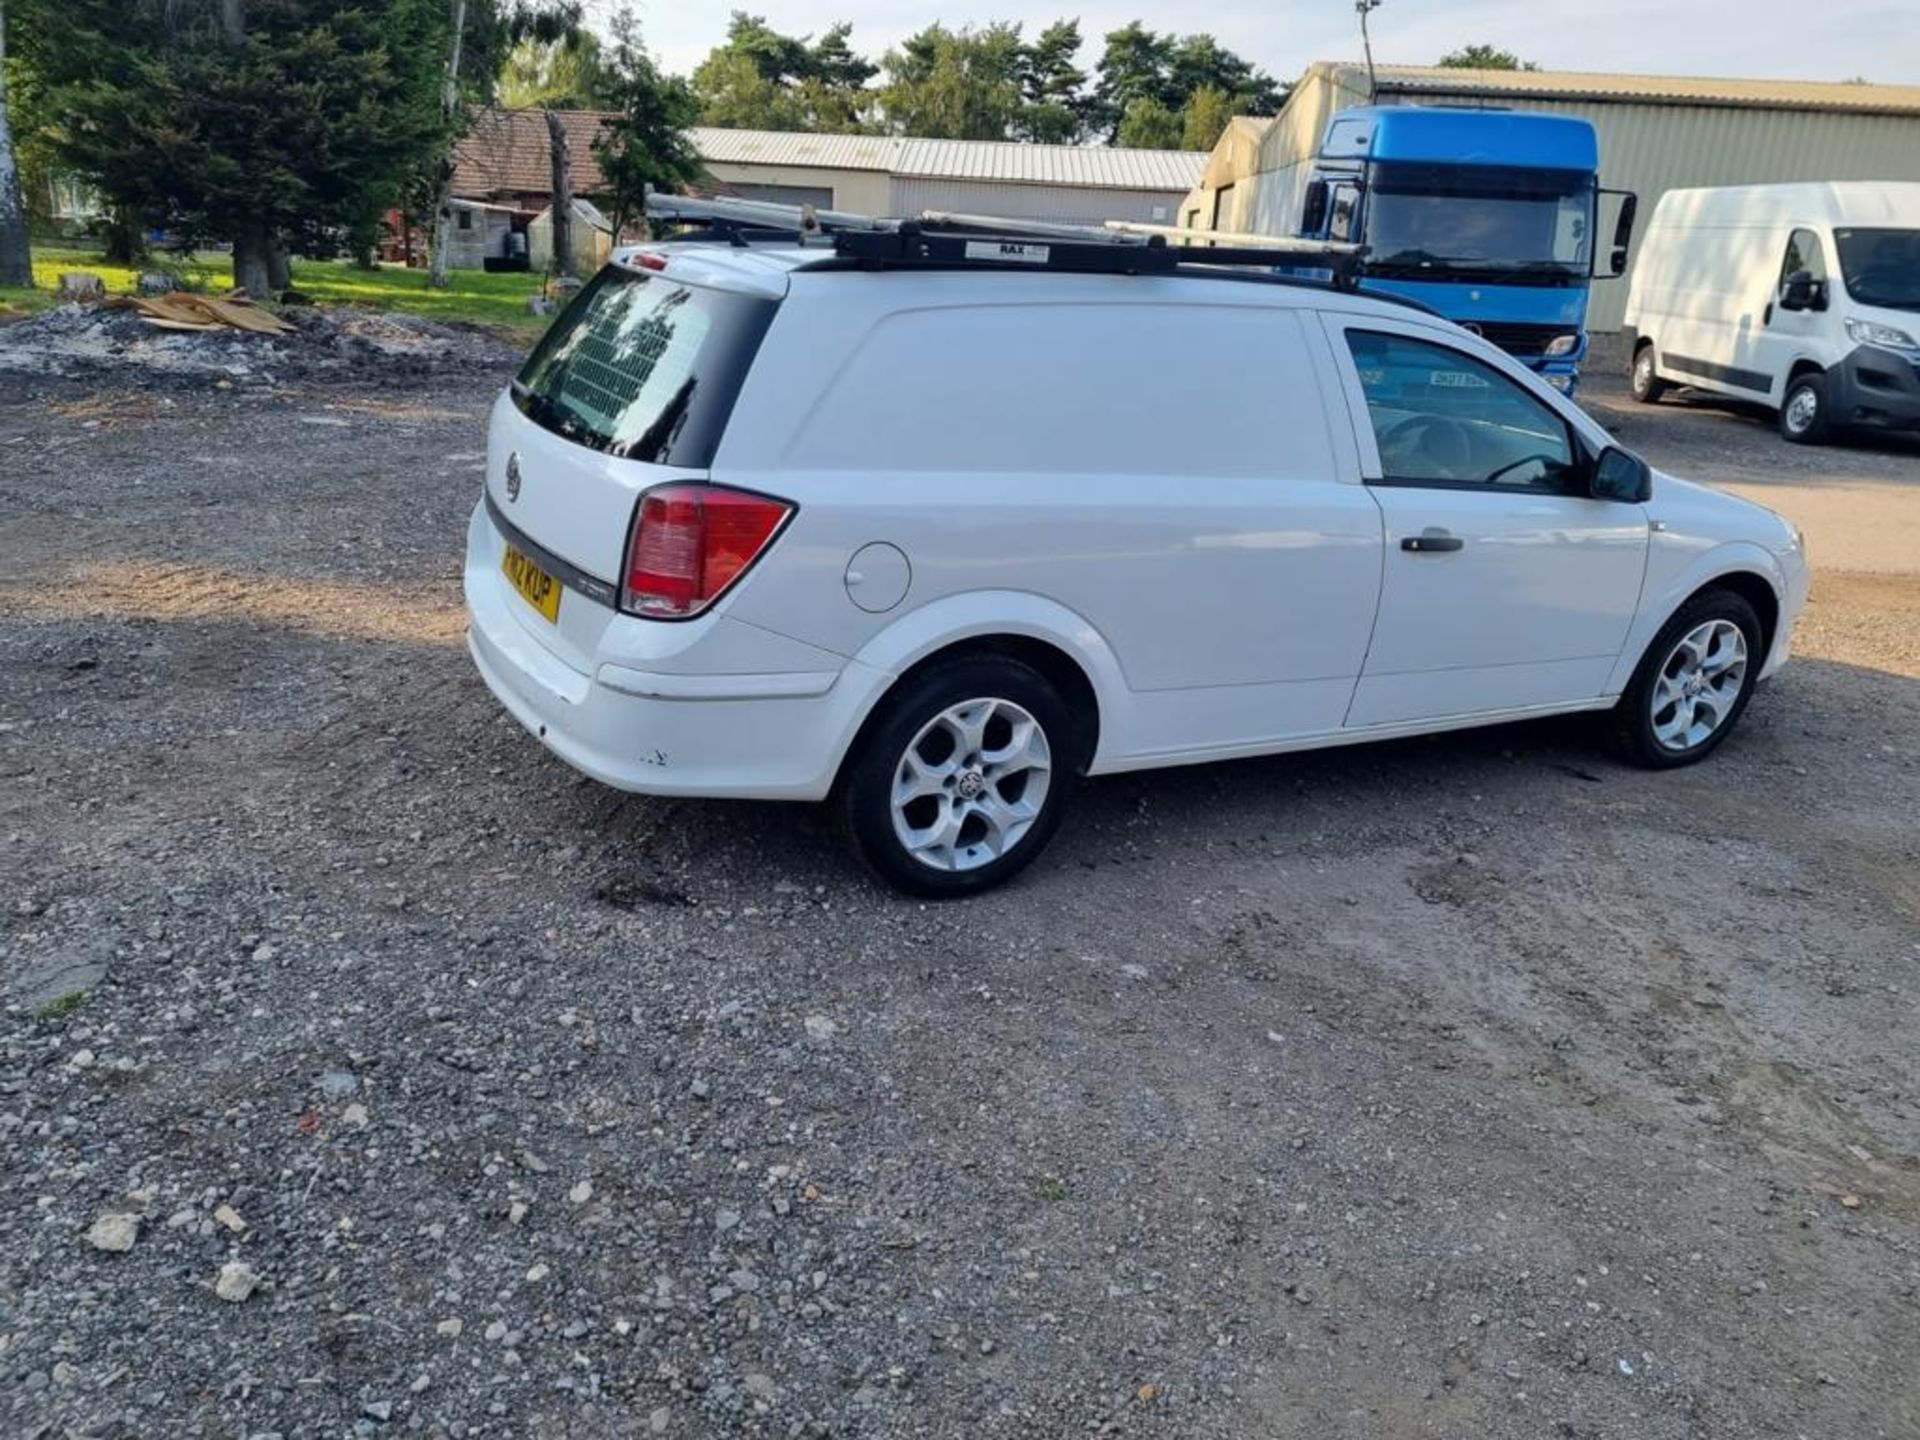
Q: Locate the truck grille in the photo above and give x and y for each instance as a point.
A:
(1517, 339)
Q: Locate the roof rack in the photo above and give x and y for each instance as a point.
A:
(943, 239)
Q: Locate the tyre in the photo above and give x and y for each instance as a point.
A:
(1804, 415)
(1692, 684)
(1644, 380)
(960, 780)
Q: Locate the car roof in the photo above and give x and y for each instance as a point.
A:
(767, 268)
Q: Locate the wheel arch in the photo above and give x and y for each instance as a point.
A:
(1742, 567)
(1067, 650)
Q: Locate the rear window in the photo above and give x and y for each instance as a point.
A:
(644, 367)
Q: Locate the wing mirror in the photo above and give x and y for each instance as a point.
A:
(1618, 475)
(1313, 212)
(1800, 291)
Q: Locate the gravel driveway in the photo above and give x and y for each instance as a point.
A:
(364, 1071)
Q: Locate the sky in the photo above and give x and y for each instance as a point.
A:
(1751, 39)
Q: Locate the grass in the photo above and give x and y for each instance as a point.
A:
(61, 1008)
(474, 294)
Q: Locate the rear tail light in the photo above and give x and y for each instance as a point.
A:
(691, 542)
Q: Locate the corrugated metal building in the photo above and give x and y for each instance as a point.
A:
(887, 175)
(1657, 133)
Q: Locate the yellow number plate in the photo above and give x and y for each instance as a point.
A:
(536, 587)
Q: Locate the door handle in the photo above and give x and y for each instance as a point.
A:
(1766, 315)
(1435, 541)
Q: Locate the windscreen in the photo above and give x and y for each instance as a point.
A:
(1488, 220)
(1881, 267)
(643, 367)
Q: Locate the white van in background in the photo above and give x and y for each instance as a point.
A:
(1806, 297)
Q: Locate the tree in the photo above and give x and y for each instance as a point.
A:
(1148, 125)
(251, 120)
(16, 258)
(763, 80)
(1484, 57)
(955, 84)
(644, 144)
(565, 74)
(1138, 64)
(1203, 119)
(1052, 87)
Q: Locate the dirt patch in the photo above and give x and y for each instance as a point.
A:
(81, 341)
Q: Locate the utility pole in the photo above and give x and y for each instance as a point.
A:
(1366, 7)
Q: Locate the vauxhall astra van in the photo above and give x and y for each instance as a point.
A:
(1805, 298)
(928, 525)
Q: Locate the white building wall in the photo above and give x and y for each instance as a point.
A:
(1060, 203)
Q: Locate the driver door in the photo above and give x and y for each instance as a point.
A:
(1502, 589)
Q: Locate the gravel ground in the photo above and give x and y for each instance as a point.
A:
(362, 1070)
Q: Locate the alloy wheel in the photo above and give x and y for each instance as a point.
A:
(971, 783)
(1699, 684)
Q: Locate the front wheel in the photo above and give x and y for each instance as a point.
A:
(961, 780)
(1804, 417)
(1692, 684)
(1645, 380)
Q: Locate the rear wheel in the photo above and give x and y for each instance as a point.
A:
(961, 780)
(1804, 417)
(1645, 381)
(1693, 683)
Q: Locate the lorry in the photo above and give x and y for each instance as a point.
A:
(1487, 217)
(1804, 298)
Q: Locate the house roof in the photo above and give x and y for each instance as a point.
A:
(506, 153)
(1647, 89)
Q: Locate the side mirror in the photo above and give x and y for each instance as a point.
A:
(1623, 234)
(1617, 475)
(1343, 222)
(1313, 212)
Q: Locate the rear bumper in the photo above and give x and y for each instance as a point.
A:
(765, 734)
(1876, 387)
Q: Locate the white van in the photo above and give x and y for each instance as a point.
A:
(930, 522)
(1806, 297)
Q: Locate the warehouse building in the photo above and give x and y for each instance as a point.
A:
(1657, 133)
(503, 175)
(888, 175)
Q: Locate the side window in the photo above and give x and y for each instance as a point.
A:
(1444, 418)
(1804, 252)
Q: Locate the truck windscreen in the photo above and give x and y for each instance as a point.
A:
(1881, 267)
(1428, 221)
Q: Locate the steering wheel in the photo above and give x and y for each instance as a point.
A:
(1439, 442)
(1545, 462)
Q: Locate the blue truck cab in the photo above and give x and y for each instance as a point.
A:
(1487, 216)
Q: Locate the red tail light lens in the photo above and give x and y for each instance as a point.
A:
(691, 543)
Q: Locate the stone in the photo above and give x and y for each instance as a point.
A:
(114, 1233)
(538, 1271)
(54, 982)
(339, 1084)
(658, 1421)
(381, 1410)
(725, 1220)
(761, 1387)
(581, 1193)
(450, 1328)
(237, 1281)
(230, 1217)
(819, 1027)
(81, 285)
(355, 1115)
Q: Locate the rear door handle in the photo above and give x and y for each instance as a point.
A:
(1436, 541)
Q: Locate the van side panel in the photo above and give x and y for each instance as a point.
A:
(1160, 463)
(1700, 295)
